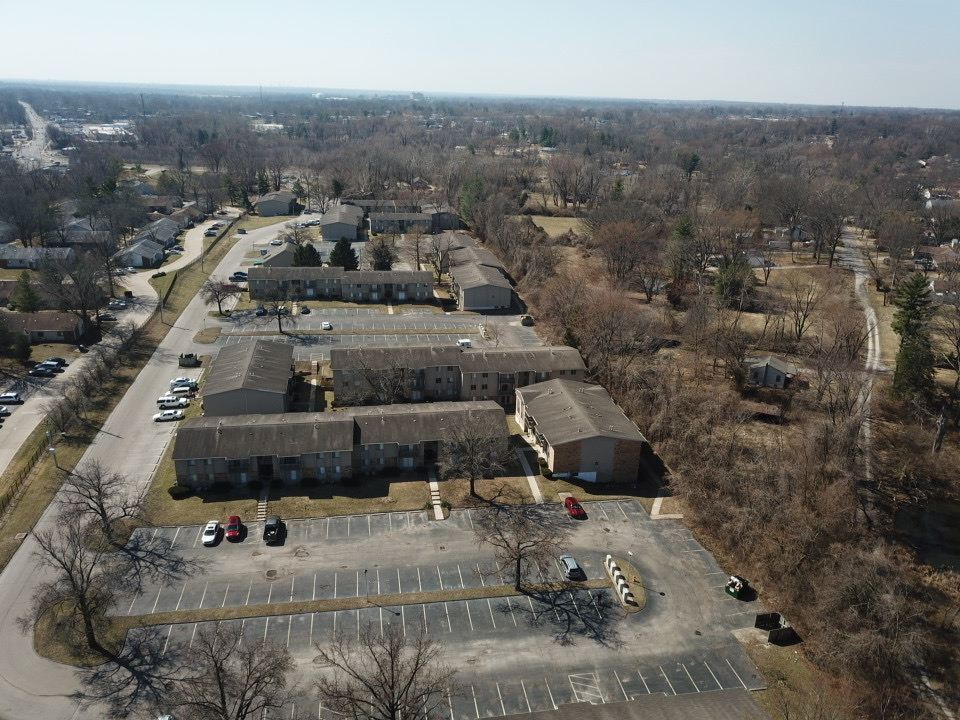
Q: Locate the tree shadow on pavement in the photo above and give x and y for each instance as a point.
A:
(570, 613)
(151, 559)
(139, 677)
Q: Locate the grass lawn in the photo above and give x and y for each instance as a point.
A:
(556, 226)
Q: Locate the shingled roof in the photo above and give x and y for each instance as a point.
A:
(567, 411)
(259, 365)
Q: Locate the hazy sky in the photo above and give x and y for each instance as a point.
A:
(858, 52)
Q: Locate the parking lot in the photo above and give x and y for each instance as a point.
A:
(518, 654)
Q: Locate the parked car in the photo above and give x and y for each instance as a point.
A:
(276, 243)
(172, 403)
(304, 310)
(575, 509)
(234, 528)
(526, 320)
(106, 317)
(51, 366)
(166, 415)
(131, 270)
(58, 360)
(178, 248)
(167, 397)
(242, 231)
(183, 389)
(572, 568)
(273, 529)
(10, 397)
(181, 381)
(238, 278)
(211, 532)
(210, 233)
(4, 411)
(38, 371)
(261, 311)
(83, 348)
(117, 304)
(326, 326)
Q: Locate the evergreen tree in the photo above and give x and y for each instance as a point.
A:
(911, 321)
(21, 348)
(306, 255)
(336, 188)
(343, 255)
(735, 282)
(25, 296)
(263, 182)
(382, 255)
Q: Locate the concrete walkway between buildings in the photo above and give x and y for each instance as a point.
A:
(435, 494)
(531, 476)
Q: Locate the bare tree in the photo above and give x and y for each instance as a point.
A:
(217, 290)
(803, 298)
(73, 286)
(474, 447)
(391, 674)
(227, 678)
(84, 582)
(91, 489)
(826, 218)
(523, 536)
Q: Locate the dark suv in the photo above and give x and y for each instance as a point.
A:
(273, 529)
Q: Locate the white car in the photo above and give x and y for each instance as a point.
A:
(182, 389)
(165, 415)
(116, 305)
(173, 402)
(211, 532)
(276, 243)
(181, 381)
(326, 326)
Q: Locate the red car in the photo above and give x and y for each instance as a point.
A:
(234, 528)
(576, 511)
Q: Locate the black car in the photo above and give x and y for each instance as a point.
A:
(273, 530)
(40, 372)
(58, 360)
(304, 310)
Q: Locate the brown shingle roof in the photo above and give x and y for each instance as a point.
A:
(566, 411)
(258, 365)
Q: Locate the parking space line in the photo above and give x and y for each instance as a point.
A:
(249, 590)
(328, 528)
(292, 580)
(174, 540)
(289, 628)
(462, 586)
(667, 679)
(440, 576)
(476, 708)
(510, 605)
(179, 600)
(224, 603)
(709, 670)
(381, 622)
(312, 616)
(470, 518)
(334, 586)
(738, 675)
(265, 626)
(449, 624)
(595, 606)
(425, 625)
(689, 676)
(358, 624)
(490, 608)
(348, 526)
(130, 609)
(525, 698)
(503, 710)
(399, 584)
(552, 701)
(625, 696)
(469, 616)
(166, 642)
(480, 573)
(358, 583)
(644, 682)
(419, 581)
(576, 607)
(314, 587)
(587, 682)
(403, 620)
(192, 636)
(378, 581)
(622, 511)
(270, 594)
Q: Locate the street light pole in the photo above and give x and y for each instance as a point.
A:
(53, 451)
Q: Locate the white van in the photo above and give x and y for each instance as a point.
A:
(9, 397)
(464, 343)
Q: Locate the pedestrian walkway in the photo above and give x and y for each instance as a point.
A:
(531, 477)
(435, 494)
(262, 504)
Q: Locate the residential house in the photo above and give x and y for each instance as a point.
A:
(187, 216)
(163, 204)
(770, 371)
(13, 257)
(387, 286)
(371, 205)
(142, 253)
(163, 232)
(250, 377)
(46, 326)
(341, 221)
(281, 202)
(270, 283)
(280, 257)
(581, 431)
(480, 287)
(326, 447)
(426, 373)
(397, 222)
(442, 217)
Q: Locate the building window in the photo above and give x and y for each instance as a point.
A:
(483, 387)
(473, 387)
